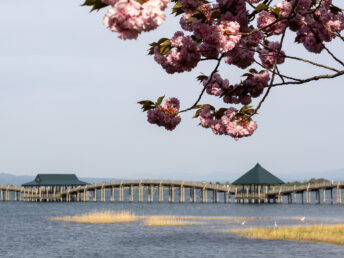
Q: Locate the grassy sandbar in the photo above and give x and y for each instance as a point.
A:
(333, 234)
(100, 217)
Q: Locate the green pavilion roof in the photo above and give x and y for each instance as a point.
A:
(55, 180)
(258, 176)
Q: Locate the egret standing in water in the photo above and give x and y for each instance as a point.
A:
(276, 224)
(303, 219)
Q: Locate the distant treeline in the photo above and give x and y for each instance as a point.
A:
(310, 181)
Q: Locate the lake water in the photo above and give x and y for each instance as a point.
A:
(27, 232)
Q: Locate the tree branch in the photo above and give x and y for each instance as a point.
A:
(205, 86)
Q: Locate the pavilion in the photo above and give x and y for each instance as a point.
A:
(55, 180)
(47, 187)
(255, 183)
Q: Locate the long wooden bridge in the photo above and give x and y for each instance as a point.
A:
(174, 190)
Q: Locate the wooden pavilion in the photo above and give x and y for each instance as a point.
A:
(51, 184)
(255, 184)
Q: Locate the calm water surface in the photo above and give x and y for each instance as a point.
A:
(26, 231)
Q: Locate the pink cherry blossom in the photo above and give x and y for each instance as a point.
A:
(228, 124)
(183, 56)
(268, 55)
(129, 18)
(166, 115)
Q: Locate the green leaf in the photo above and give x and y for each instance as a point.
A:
(146, 105)
(334, 9)
(198, 112)
(216, 15)
(243, 108)
(200, 106)
(219, 113)
(159, 101)
(200, 16)
(298, 37)
(96, 4)
(177, 8)
(261, 7)
(249, 75)
(201, 78)
(276, 11)
(165, 46)
(196, 39)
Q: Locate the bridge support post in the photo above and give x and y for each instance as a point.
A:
(317, 196)
(324, 195)
(140, 193)
(294, 195)
(2, 195)
(85, 194)
(112, 198)
(171, 194)
(191, 195)
(131, 193)
(102, 194)
(302, 197)
(151, 193)
(161, 193)
(204, 195)
(40, 194)
(308, 195)
(339, 194)
(331, 195)
(121, 193)
(217, 196)
(95, 194)
(181, 194)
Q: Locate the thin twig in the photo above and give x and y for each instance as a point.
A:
(283, 75)
(205, 86)
(314, 78)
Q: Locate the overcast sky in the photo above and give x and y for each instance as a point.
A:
(68, 93)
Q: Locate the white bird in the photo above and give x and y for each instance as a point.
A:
(303, 218)
(276, 224)
(243, 223)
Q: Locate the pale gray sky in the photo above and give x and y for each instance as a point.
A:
(68, 93)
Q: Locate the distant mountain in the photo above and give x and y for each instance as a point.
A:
(9, 179)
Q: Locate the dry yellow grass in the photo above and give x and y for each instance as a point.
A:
(100, 217)
(166, 221)
(333, 234)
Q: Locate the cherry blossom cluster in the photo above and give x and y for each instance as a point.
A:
(166, 115)
(236, 32)
(216, 86)
(243, 92)
(269, 54)
(314, 24)
(183, 56)
(227, 124)
(129, 17)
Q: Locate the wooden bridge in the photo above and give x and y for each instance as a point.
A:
(174, 190)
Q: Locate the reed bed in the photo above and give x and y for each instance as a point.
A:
(333, 234)
(166, 221)
(100, 217)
